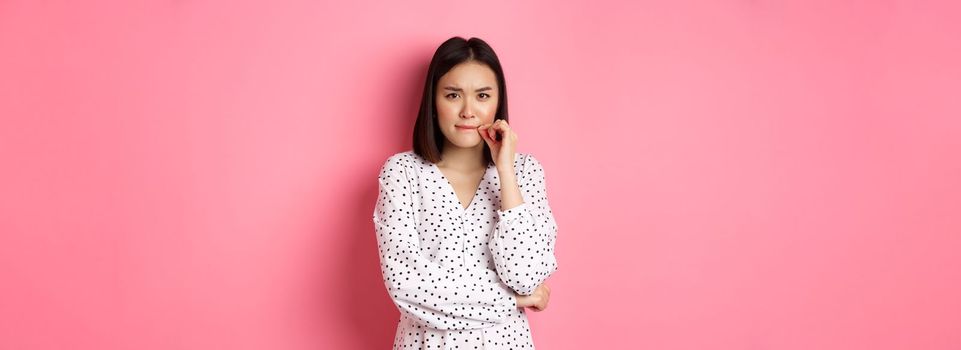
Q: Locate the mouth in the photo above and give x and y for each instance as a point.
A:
(466, 127)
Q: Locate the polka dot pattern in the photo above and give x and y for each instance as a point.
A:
(453, 271)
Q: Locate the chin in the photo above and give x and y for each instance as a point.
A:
(464, 142)
(467, 145)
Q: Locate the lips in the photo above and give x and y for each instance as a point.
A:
(466, 126)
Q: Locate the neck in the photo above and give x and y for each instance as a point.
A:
(462, 158)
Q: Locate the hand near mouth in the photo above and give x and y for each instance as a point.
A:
(502, 141)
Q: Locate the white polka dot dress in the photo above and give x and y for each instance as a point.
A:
(453, 271)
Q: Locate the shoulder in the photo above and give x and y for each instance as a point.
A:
(401, 163)
(527, 162)
(528, 168)
(401, 158)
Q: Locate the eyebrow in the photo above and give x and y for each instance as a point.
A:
(453, 88)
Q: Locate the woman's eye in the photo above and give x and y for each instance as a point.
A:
(451, 95)
(484, 95)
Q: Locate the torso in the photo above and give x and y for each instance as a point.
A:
(457, 239)
(465, 184)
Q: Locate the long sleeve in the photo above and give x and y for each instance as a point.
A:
(522, 245)
(439, 297)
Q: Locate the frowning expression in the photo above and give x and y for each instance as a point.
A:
(466, 97)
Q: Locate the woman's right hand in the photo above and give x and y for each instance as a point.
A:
(537, 300)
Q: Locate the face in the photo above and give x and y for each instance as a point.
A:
(466, 97)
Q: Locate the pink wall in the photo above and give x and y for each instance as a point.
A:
(725, 174)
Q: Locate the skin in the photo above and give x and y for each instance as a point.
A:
(468, 95)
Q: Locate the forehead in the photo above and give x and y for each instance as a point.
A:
(469, 74)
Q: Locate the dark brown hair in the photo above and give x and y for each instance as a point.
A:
(428, 139)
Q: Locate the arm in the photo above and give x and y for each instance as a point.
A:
(522, 245)
(439, 297)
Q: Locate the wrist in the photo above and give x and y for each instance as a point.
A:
(506, 171)
(521, 300)
(505, 165)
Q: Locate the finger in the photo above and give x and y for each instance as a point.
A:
(482, 130)
(503, 129)
(502, 125)
(490, 134)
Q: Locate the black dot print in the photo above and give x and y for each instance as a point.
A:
(453, 271)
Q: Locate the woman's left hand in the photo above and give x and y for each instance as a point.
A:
(537, 300)
(501, 151)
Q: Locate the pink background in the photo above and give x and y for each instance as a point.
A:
(725, 174)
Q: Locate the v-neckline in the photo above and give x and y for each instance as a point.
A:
(450, 188)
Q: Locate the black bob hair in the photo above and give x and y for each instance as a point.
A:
(428, 139)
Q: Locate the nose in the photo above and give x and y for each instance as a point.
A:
(467, 111)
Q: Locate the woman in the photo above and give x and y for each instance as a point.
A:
(464, 230)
